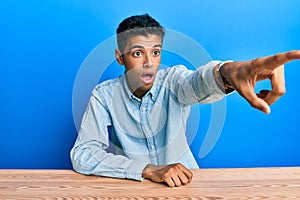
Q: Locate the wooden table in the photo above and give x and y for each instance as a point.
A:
(213, 184)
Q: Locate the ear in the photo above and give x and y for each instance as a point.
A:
(119, 58)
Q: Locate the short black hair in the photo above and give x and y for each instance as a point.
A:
(137, 25)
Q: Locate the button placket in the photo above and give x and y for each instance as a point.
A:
(150, 138)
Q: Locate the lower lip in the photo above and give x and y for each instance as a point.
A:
(147, 79)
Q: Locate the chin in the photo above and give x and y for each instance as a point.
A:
(147, 87)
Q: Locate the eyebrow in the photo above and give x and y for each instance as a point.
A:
(142, 47)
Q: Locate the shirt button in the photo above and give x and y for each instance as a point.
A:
(152, 146)
(143, 108)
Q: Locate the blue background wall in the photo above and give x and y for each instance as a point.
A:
(43, 43)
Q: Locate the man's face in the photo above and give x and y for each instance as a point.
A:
(141, 59)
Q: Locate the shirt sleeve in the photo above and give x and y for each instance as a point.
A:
(197, 86)
(89, 155)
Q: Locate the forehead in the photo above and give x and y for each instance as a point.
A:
(149, 41)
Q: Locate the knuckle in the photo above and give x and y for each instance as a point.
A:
(255, 62)
(171, 171)
(276, 57)
(178, 165)
(175, 167)
(279, 92)
(166, 176)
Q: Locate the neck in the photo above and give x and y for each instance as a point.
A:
(139, 92)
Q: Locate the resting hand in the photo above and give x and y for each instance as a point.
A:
(242, 76)
(172, 175)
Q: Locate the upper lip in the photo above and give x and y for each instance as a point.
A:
(147, 74)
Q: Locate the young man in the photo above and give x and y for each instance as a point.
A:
(143, 113)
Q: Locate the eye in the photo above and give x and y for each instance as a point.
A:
(137, 53)
(156, 52)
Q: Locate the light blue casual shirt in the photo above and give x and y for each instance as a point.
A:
(141, 131)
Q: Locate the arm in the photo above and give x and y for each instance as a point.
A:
(242, 76)
(89, 154)
(199, 86)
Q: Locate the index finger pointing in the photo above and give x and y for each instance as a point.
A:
(274, 61)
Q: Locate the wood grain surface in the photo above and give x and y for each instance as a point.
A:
(212, 184)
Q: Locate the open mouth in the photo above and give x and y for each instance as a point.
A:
(147, 78)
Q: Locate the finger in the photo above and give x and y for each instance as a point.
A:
(170, 182)
(274, 61)
(254, 101)
(278, 86)
(188, 174)
(176, 180)
(183, 178)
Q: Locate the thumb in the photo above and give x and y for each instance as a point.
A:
(254, 100)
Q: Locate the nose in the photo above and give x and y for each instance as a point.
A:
(148, 62)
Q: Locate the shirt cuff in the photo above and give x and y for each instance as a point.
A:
(220, 80)
(135, 170)
(208, 80)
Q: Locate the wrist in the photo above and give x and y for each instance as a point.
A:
(147, 171)
(221, 80)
